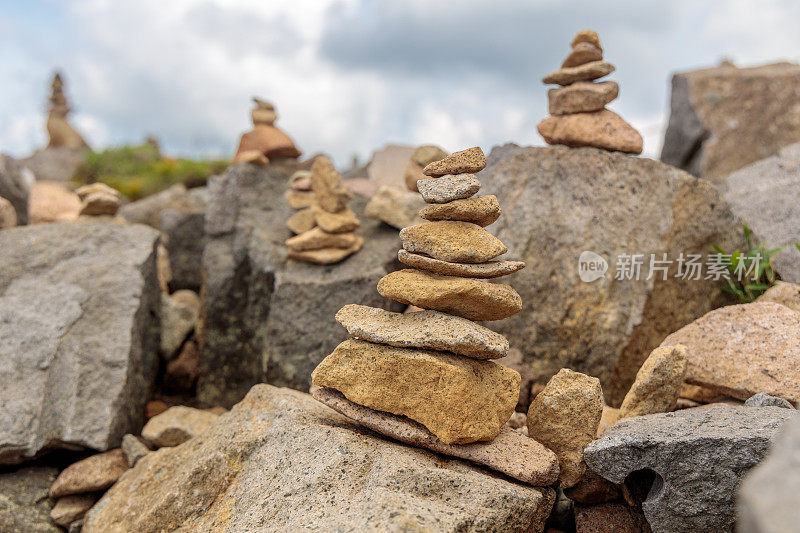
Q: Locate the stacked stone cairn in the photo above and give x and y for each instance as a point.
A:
(61, 133)
(577, 108)
(325, 224)
(98, 199)
(265, 142)
(434, 366)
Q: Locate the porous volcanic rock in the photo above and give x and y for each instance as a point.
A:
(603, 129)
(24, 502)
(176, 425)
(452, 241)
(581, 97)
(481, 210)
(489, 269)
(658, 383)
(96, 472)
(461, 162)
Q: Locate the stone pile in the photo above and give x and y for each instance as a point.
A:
(62, 134)
(265, 141)
(327, 226)
(434, 366)
(98, 199)
(577, 108)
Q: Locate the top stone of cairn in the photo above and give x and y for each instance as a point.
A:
(463, 162)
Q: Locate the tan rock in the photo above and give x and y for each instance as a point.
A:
(422, 156)
(449, 187)
(592, 489)
(511, 453)
(299, 199)
(581, 97)
(134, 449)
(453, 241)
(326, 181)
(317, 238)
(179, 315)
(176, 425)
(412, 175)
(609, 417)
(491, 269)
(459, 399)
(52, 202)
(327, 256)
(301, 221)
(581, 54)
(425, 329)
(587, 71)
(86, 191)
(71, 508)
(154, 408)
(742, 350)
(94, 473)
(604, 517)
(465, 161)
(396, 207)
(255, 157)
(587, 36)
(8, 215)
(697, 394)
(469, 298)
(301, 181)
(601, 129)
(268, 140)
(658, 383)
(783, 293)
(480, 210)
(564, 417)
(341, 222)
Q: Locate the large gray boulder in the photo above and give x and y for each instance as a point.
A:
(559, 202)
(56, 164)
(766, 195)
(711, 133)
(266, 318)
(78, 305)
(14, 187)
(24, 503)
(697, 456)
(280, 461)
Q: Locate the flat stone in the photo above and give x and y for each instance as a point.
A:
(24, 502)
(299, 199)
(280, 460)
(600, 129)
(340, 222)
(741, 350)
(783, 293)
(426, 329)
(587, 71)
(564, 417)
(698, 455)
(469, 298)
(581, 54)
(426, 386)
(269, 140)
(301, 221)
(71, 508)
(449, 187)
(762, 399)
(452, 241)
(176, 425)
(331, 194)
(491, 269)
(317, 238)
(396, 207)
(605, 517)
(301, 181)
(581, 97)
(254, 157)
(587, 36)
(480, 210)
(511, 452)
(420, 158)
(94, 473)
(134, 449)
(658, 383)
(462, 162)
(327, 256)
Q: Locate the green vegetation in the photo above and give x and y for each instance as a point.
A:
(139, 171)
(750, 273)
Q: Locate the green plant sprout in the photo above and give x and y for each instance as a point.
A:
(749, 274)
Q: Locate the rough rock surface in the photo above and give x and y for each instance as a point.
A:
(511, 452)
(14, 187)
(71, 508)
(610, 204)
(301, 221)
(585, 72)
(581, 97)
(762, 399)
(764, 195)
(426, 329)
(481, 210)
(396, 207)
(327, 256)
(658, 383)
(8, 216)
(342, 221)
(24, 502)
(134, 449)
(582, 53)
(609, 517)
(96, 472)
(176, 425)
(55, 164)
(426, 386)
(420, 158)
(248, 277)
(316, 238)
(604, 129)
(711, 134)
(741, 350)
(280, 460)
(179, 313)
(77, 317)
(52, 202)
(452, 241)
(448, 188)
(490, 269)
(698, 455)
(787, 294)
(464, 161)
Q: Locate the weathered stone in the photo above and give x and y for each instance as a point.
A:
(658, 383)
(422, 157)
(251, 471)
(587, 71)
(268, 140)
(302, 221)
(96, 472)
(315, 239)
(511, 453)
(387, 166)
(179, 314)
(426, 386)
(609, 418)
(592, 489)
(299, 199)
(698, 456)
(587, 36)
(762, 399)
(331, 194)
(267, 319)
(182, 372)
(491, 269)
(396, 207)
(741, 350)
(55, 164)
(581, 54)
(71, 508)
(564, 417)
(452, 241)
(24, 502)
(176, 425)
(449, 187)
(134, 449)
(430, 330)
(341, 222)
(605, 517)
(711, 134)
(610, 204)
(462, 162)
(469, 298)
(787, 294)
(15, 187)
(581, 97)
(67, 290)
(480, 210)
(769, 496)
(327, 256)
(8, 216)
(52, 202)
(764, 195)
(254, 157)
(85, 191)
(601, 129)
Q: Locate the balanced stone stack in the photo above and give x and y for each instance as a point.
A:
(434, 366)
(577, 108)
(265, 142)
(98, 199)
(327, 225)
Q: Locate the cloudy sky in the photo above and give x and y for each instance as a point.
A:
(348, 76)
